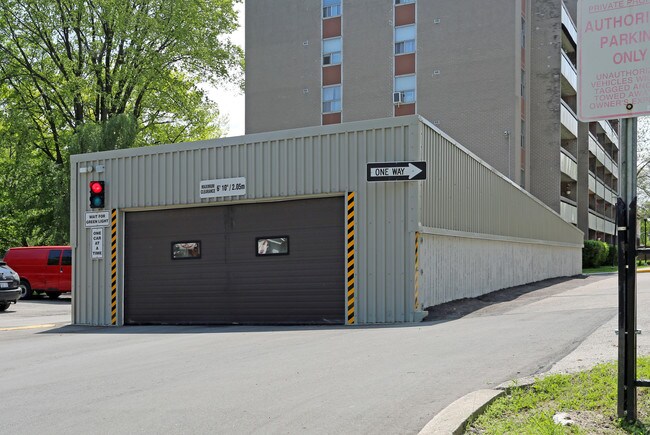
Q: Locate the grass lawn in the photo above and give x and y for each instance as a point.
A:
(603, 269)
(589, 398)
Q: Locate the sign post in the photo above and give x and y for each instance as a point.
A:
(626, 222)
(614, 82)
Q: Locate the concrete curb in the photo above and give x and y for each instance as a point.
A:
(454, 418)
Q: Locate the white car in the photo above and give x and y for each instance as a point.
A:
(9, 286)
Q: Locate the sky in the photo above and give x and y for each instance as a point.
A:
(229, 98)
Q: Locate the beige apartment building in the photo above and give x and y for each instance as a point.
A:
(498, 76)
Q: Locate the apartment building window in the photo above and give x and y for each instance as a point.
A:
(405, 85)
(331, 8)
(332, 99)
(403, 2)
(405, 39)
(332, 51)
(523, 32)
(522, 180)
(523, 83)
(523, 134)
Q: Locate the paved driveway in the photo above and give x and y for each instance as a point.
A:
(38, 313)
(381, 379)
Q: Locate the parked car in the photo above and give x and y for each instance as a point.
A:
(9, 286)
(45, 269)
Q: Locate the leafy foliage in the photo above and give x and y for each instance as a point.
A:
(89, 75)
(594, 253)
(612, 256)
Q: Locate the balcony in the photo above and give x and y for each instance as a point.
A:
(569, 75)
(568, 166)
(609, 132)
(569, 122)
(596, 186)
(597, 223)
(569, 25)
(569, 212)
(610, 196)
(597, 150)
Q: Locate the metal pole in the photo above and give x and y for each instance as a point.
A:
(626, 210)
(621, 219)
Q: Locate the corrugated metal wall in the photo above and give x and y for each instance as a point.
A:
(481, 232)
(298, 163)
(462, 193)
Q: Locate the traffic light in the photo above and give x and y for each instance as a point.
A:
(97, 194)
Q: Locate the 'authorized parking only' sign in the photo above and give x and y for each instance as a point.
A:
(613, 59)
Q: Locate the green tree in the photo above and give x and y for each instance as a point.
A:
(88, 75)
(643, 158)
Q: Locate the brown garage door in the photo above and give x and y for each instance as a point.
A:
(273, 263)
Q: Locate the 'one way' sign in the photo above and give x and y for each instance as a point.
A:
(397, 171)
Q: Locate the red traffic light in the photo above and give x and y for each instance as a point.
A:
(97, 194)
(96, 187)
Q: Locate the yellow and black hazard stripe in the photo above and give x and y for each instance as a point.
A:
(114, 267)
(350, 277)
(417, 271)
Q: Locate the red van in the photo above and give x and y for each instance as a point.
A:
(42, 269)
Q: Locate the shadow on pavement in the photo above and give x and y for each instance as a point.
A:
(46, 300)
(508, 298)
(488, 304)
(212, 329)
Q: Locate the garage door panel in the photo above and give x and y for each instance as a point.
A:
(305, 286)
(301, 214)
(230, 283)
(160, 289)
(205, 220)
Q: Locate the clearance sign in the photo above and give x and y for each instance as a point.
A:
(613, 59)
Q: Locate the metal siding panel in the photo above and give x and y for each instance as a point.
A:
(316, 163)
(140, 183)
(274, 169)
(390, 260)
(169, 181)
(291, 163)
(310, 154)
(282, 168)
(497, 206)
(380, 227)
(365, 241)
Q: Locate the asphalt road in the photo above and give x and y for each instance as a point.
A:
(380, 379)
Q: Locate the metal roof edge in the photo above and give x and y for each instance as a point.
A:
(345, 127)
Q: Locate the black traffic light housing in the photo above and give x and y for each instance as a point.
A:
(97, 194)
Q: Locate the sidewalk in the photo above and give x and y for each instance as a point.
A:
(601, 346)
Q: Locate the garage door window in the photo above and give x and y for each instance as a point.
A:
(276, 245)
(186, 250)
